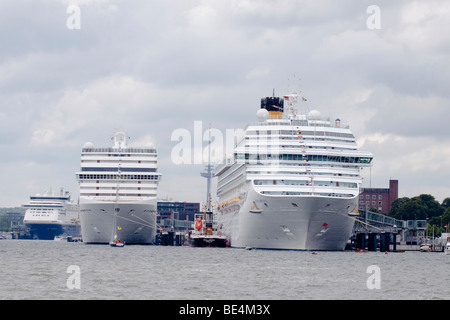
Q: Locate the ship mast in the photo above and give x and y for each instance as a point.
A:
(208, 174)
(120, 142)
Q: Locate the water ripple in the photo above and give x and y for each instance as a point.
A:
(38, 270)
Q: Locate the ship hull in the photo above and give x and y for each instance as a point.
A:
(44, 231)
(48, 231)
(289, 222)
(132, 222)
(208, 241)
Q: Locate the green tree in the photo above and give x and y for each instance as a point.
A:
(416, 208)
(446, 203)
(5, 224)
(433, 207)
(446, 220)
(396, 205)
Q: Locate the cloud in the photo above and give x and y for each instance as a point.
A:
(113, 102)
(419, 21)
(151, 67)
(415, 161)
(408, 115)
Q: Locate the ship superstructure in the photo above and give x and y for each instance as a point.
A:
(49, 215)
(118, 192)
(292, 182)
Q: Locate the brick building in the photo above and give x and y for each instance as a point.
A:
(379, 198)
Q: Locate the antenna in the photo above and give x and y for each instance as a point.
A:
(293, 84)
(208, 173)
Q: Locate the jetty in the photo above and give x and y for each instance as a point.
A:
(373, 231)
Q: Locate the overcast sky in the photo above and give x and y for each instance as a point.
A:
(151, 67)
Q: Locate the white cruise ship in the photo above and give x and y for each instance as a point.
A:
(118, 192)
(292, 182)
(50, 215)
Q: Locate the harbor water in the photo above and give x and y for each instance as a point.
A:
(47, 269)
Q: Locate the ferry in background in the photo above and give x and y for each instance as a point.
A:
(48, 216)
(118, 192)
(292, 182)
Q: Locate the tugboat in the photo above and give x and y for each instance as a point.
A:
(205, 234)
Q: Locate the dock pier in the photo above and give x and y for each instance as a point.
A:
(370, 241)
(375, 230)
(170, 238)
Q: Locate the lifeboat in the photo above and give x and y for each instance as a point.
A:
(198, 224)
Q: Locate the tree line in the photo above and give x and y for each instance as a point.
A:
(5, 221)
(423, 207)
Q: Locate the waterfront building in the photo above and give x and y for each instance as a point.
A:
(177, 210)
(379, 198)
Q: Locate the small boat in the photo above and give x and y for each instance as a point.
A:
(117, 243)
(205, 234)
(60, 237)
(425, 248)
(74, 239)
(447, 248)
(255, 208)
(354, 212)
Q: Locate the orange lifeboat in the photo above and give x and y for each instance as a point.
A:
(198, 224)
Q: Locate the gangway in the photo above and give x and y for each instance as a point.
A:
(369, 221)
